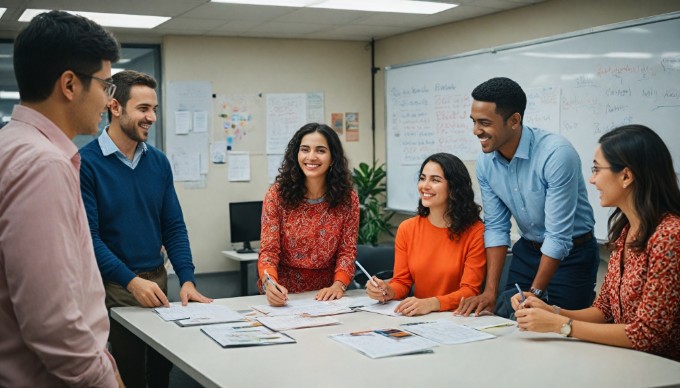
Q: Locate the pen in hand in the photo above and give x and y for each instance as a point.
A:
(269, 279)
(370, 278)
(521, 294)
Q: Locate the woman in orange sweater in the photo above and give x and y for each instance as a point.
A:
(440, 250)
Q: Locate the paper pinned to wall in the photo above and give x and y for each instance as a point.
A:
(238, 166)
(200, 121)
(286, 113)
(186, 166)
(218, 152)
(189, 97)
(182, 122)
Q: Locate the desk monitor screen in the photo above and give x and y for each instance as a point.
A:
(245, 221)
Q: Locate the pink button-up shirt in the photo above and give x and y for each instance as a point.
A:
(53, 322)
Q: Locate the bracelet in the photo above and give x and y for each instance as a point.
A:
(342, 285)
(557, 309)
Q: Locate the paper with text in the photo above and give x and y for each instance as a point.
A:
(375, 345)
(446, 332)
(289, 322)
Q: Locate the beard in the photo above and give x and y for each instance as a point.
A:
(131, 130)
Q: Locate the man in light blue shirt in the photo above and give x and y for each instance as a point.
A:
(534, 176)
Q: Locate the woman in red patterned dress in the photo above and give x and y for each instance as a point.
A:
(638, 306)
(310, 220)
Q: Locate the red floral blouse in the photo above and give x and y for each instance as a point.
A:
(646, 296)
(309, 247)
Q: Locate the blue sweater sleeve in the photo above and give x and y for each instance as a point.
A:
(110, 266)
(174, 231)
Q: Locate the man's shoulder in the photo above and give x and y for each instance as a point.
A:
(90, 150)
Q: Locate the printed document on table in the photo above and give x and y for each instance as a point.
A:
(378, 344)
(237, 334)
(198, 314)
(446, 332)
(300, 307)
(385, 309)
(288, 322)
(354, 302)
(483, 322)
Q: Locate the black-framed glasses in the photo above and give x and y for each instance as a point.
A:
(110, 86)
(596, 169)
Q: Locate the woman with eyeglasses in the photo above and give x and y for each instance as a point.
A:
(638, 306)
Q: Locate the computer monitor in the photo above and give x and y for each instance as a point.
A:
(245, 221)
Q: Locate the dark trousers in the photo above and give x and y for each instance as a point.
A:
(572, 286)
(139, 364)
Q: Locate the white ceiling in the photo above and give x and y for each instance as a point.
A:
(201, 17)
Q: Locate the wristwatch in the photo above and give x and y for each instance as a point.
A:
(566, 329)
(538, 292)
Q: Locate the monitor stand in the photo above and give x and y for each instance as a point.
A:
(246, 248)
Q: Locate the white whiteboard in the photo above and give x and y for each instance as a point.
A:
(580, 85)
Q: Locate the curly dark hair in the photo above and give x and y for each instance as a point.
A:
(655, 189)
(291, 179)
(505, 93)
(461, 209)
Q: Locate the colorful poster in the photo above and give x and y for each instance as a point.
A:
(338, 122)
(352, 126)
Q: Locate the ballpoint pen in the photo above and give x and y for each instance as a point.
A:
(269, 279)
(370, 278)
(521, 293)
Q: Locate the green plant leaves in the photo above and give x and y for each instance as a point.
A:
(371, 189)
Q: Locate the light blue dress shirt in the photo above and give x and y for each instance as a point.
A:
(542, 187)
(109, 147)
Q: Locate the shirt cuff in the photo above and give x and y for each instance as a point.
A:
(342, 277)
(555, 248)
(496, 239)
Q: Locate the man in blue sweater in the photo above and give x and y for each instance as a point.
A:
(133, 211)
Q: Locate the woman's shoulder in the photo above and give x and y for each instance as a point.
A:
(669, 226)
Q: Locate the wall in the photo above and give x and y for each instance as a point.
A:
(341, 70)
(522, 24)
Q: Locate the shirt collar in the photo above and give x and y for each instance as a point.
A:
(53, 133)
(523, 151)
(109, 147)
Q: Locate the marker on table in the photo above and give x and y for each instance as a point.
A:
(521, 293)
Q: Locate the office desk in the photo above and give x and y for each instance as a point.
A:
(513, 359)
(245, 259)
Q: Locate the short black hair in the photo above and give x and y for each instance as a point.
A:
(125, 80)
(54, 42)
(505, 93)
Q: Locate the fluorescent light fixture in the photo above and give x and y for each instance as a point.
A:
(5, 95)
(107, 19)
(2, 11)
(278, 3)
(398, 6)
(115, 70)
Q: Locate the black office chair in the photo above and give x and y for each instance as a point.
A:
(378, 261)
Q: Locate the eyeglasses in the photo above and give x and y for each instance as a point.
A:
(110, 86)
(596, 169)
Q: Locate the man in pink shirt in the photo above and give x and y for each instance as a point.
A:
(53, 322)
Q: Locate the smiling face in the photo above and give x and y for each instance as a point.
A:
(136, 118)
(614, 187)
(493, 131)
(433, 187)
(93, 102)
(314, 156)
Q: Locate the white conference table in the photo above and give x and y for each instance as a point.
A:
(513, 359)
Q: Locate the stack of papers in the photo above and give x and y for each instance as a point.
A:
(305, 307)
(446, 332)
(483, 322)
(198, 314)
(385, 343)
(288, 322)
(238, 334)
(383, 308)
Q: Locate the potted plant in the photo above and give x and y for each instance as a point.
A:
(369, 182)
